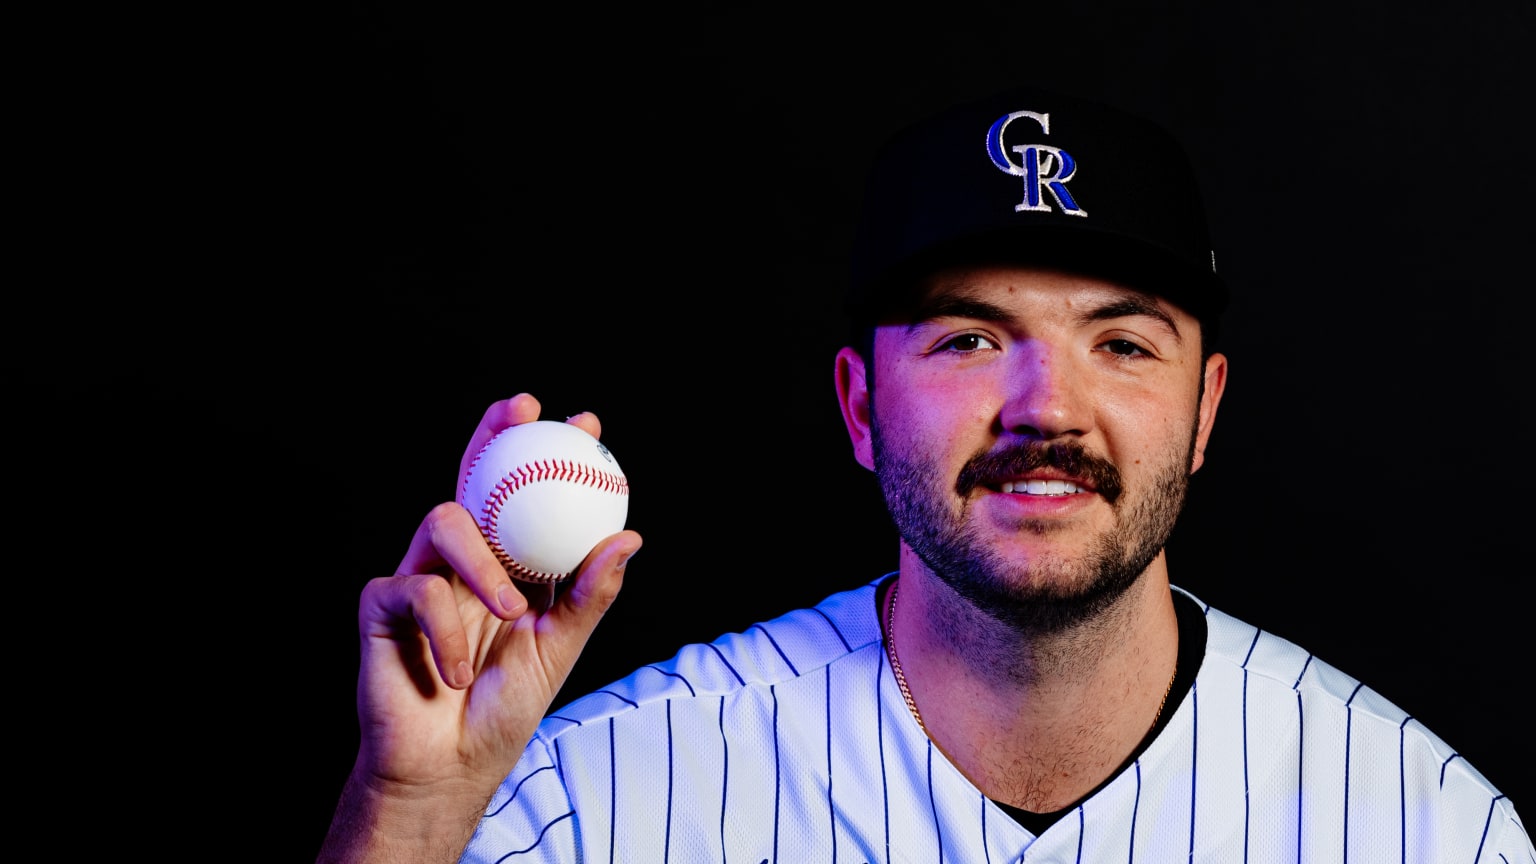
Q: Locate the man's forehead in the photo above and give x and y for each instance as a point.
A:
(990, 291)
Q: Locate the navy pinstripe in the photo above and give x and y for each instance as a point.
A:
(613, 794)
(666, 851)
(933, 806)
(1194, 762)
(538, 841)
(1301, 770)
(778, 780)
(725, 777)
(985, 806)
(1349, 728)
(831, 812)
(1247, 780)
(1402, 785)
(1130, 850)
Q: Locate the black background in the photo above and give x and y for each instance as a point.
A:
(333, 239)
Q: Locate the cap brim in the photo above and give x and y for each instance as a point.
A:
(1124, 260)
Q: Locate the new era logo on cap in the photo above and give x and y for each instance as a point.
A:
(1035, 177)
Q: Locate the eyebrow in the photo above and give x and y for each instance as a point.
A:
(955, 305)
(958, 305)
(1134, 305)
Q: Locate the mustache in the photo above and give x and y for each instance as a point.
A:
(996, 466)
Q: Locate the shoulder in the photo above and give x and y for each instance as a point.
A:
(1265, 662)
(1269, 660)
(1296, 695)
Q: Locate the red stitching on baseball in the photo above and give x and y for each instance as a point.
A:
(533, 472)
(560, 469)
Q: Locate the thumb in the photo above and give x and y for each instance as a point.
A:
(578, 609)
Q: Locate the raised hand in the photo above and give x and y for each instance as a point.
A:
(459, 664)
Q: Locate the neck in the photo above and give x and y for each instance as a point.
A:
(1035, 721)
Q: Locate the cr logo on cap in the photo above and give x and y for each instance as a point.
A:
(1042, 166)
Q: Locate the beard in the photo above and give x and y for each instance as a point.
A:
(1047, 594)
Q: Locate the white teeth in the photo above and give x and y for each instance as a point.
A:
(1042, 487)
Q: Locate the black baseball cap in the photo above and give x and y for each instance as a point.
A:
(1031, 176)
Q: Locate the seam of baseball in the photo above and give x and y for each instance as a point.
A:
(533, 472)
(559, 469)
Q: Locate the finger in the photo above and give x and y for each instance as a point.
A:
(522, 408)
(594, 589)
(394, 608)
(446, 545)
(587, 422)
(601, 575)
(449, 541)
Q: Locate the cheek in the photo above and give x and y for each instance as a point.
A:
(934, 408)
(1147, 427)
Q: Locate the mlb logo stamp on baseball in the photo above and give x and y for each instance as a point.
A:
(544, 493)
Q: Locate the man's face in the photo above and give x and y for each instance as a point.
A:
(1034, 433)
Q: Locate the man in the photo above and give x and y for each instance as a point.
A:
(1032, 378)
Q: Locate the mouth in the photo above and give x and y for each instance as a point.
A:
(1049, 471)
(1042, 487)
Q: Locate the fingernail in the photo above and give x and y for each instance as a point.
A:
(462, 675)
(506, 597)
(624, 562)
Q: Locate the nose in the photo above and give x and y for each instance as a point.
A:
(1046, 394)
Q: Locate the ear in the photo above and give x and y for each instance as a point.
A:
(1215, 385)
(853, 399)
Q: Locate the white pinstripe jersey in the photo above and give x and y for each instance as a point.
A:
(789, 743)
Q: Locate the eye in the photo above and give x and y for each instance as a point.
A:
(966, 343)
(1124, 348)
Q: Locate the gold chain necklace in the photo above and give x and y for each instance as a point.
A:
(906, 692)
(890, 649)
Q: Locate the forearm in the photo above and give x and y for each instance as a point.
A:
(400, 827)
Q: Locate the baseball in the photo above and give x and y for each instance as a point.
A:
(544, 493)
